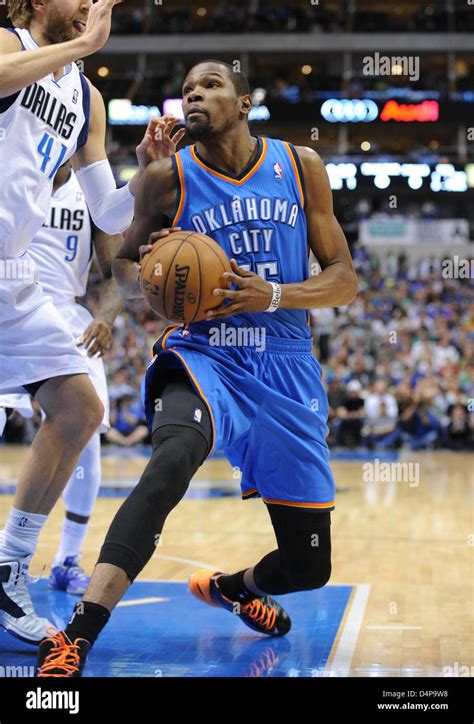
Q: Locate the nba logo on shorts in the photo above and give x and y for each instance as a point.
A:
(75, 96)
(22, 522)
(278, 170)
(197, 414)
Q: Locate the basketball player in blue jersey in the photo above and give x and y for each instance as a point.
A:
(263, 201)
(49, 114)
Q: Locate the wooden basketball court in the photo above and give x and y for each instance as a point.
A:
(405, 548)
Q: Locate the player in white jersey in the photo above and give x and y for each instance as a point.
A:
(63, 251)
(50, 113)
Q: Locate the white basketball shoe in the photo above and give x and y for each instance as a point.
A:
(17, 615)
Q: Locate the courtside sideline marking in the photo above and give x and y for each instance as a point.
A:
(397, 628)
(341, 663)
(140, 601)
(184, 560)
(397, 671)
(189, 561)
(131, 482)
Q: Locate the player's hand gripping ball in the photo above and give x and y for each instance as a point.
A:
(179, 274)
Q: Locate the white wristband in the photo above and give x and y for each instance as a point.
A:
(275, 303)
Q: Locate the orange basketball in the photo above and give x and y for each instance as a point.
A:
(180, 273)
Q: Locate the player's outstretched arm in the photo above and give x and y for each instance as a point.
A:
(111, 208)
(97, 338)
(337, 284)
(20, 68)
(154, 200)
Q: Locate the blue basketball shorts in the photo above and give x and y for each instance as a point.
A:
(268, 409)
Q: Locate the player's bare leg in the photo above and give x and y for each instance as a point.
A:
(107, 585)
(73, 412)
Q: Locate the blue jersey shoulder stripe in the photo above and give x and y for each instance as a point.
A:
(93, 232)
(177, 161)
(86, 104)
(299, 167)
(178, 187)
(12, 30)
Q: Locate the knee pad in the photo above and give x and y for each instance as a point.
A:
(180, 407)
(136, 529)
(310, 578)
(178, 452)
(304, 544)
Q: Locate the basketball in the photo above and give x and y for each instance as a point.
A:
(180, 273)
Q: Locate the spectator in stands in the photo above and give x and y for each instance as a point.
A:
(419, 426)
(381, 432)
(128, 424)
(120, 386)
(381, 417)
(444, 353)
(323, 320)
(349, 416)
(422, 349)
(458, 434)
(361, 370)
(336, 395)
(403, 395)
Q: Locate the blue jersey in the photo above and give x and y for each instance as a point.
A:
(258, 218)
(266, 400)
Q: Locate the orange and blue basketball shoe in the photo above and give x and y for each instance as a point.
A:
(262, 613)
(59, 657)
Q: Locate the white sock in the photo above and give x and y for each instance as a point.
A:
(72, 538)
(19, 537)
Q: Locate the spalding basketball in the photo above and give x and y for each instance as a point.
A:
(180, 273)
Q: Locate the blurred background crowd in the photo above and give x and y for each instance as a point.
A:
(265, 17)
(398, 362)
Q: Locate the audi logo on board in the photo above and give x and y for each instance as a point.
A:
(344, 110)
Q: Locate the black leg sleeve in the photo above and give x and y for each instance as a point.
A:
(302, 561)
(136, 529)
